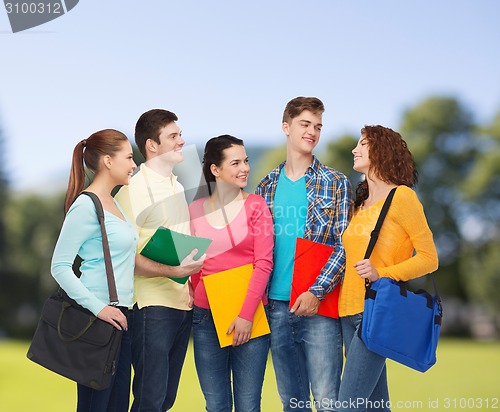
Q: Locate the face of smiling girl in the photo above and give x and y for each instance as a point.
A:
(122, 164)
(234, 169)
(361, 156)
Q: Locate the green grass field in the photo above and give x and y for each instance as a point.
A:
(466, 377)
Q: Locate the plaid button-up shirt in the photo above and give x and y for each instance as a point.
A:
(330, 201)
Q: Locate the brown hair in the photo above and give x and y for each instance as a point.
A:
(88, 152)
(149, 125)
(214, 154)
(296, 106)
(390, 159)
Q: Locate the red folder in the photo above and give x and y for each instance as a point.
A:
(310, 257)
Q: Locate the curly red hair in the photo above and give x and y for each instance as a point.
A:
(390, 159)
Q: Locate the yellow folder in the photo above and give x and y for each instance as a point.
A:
(226, 293)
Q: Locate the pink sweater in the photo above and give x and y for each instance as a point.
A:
(253, 236)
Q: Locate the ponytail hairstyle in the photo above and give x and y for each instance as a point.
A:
(214, 155)
(390, 160)
(88, 153)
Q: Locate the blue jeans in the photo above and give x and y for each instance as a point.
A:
(214, 365)
(159, 344)
(116, 397)
(364, 383)
(307, 356)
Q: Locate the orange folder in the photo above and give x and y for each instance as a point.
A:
(310, 257)
(226, 293)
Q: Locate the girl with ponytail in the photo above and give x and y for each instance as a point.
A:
(108, 155)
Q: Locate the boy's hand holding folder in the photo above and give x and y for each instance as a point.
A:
(189, 265)
(172, 248)
(310, 257)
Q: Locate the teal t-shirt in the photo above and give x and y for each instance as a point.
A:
(290, 212)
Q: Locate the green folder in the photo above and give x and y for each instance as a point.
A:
(170, 248)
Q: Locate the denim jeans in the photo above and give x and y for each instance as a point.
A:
(307, 356)
(246, 363)
(159, 343)
(116, 397)
(364, 383)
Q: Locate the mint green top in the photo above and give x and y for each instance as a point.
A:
(81, 235)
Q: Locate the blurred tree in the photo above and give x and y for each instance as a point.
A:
(459, 187)
(483, 181)
(480, 260)
(485, 175)
(34, 222)
(268, 161)
(440, 134)
(338, 155)
(4, 199)
(4, 196)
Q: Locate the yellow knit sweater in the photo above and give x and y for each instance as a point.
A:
(404, 231)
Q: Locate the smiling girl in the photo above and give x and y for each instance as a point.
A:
(108, 155)
(241, 227)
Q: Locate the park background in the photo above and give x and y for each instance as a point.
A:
(430, 70)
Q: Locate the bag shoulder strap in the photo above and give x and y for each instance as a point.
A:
(376, 231)
(113, 295)
(374, 237)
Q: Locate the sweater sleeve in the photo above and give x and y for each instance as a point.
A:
(263, 242)
(409, 214)
(79, 225)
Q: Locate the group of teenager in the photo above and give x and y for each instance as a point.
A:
(300, 198)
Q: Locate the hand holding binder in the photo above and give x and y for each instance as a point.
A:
(226, 293)
(170, 248)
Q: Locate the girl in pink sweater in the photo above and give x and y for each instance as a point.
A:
(241, 227)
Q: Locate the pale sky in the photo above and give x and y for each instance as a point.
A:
(231, 66)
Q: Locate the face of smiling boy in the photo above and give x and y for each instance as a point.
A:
(171, 143)
(303, 132)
